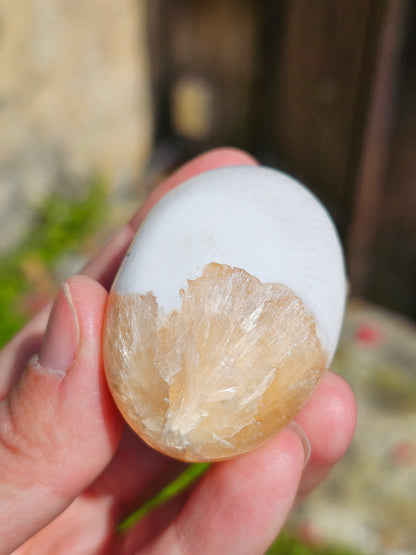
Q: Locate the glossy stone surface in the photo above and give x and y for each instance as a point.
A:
(217, 327)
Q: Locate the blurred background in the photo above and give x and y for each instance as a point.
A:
(100, 100)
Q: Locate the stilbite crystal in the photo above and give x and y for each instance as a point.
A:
(217, 327)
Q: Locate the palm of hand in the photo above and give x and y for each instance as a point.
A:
(89, 524)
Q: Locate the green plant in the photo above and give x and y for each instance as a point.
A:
(60, 226)
(288, 544)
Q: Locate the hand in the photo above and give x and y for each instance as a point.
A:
(70, 470)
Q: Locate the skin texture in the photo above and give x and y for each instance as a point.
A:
(70, 469)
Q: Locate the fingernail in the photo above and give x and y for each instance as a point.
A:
(300, 432)
(60, 342)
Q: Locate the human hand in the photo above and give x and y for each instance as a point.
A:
(70, 469)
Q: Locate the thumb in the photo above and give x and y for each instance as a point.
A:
(59, 427)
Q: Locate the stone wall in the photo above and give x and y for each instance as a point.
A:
(74, 100)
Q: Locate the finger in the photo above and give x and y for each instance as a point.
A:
(240, 505)
(128, 486)
(104, 266)
(59, 427)
(151, 527)
(91, 520)
(328, 419)
(15, 356)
